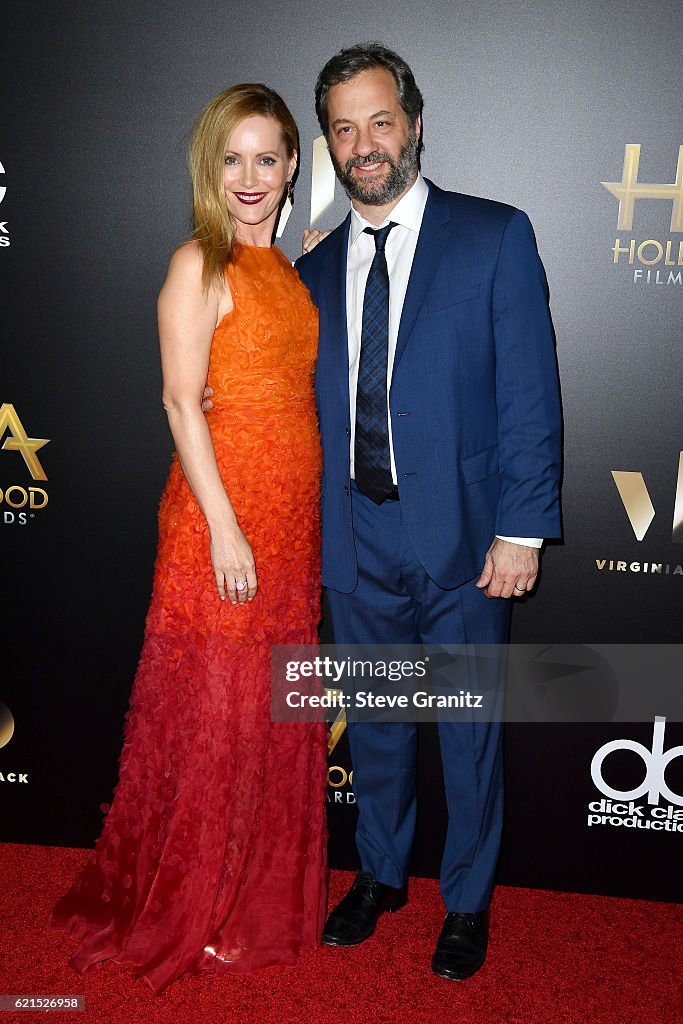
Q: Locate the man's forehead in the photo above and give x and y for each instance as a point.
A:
(373, 90)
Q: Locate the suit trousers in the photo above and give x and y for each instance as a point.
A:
(396, 602)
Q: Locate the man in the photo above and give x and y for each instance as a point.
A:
(440, 422)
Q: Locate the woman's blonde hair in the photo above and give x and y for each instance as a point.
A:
(213, 227)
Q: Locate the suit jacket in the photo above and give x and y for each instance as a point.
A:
(474, 397)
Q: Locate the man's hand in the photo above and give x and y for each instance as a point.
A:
(206, 399)
(311, 239)
(510, 570)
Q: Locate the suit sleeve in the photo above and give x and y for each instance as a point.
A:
(304, 266)
(527, 389)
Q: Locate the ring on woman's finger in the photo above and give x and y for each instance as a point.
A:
(520, 590)
(240, 585)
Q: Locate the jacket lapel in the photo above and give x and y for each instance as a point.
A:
(435, 231)
(334, 278)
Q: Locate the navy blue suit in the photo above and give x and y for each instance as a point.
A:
(475, 415)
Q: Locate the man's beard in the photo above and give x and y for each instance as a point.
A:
(378, 193)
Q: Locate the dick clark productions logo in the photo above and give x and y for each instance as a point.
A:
(6, 734)
(620, 807)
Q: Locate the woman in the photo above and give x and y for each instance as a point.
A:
(213, 852)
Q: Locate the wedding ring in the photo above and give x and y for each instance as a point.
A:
(240, 585)
(521, 590)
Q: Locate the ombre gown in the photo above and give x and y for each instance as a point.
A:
(212, 856)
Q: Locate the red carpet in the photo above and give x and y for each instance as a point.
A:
(554, 958)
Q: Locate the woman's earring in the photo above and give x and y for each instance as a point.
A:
(290, 191)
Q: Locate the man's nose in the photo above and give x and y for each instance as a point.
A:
(364, 143)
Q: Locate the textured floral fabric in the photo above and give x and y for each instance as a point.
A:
(212, 855)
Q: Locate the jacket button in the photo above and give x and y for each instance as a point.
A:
(346, 491)
(348, 431)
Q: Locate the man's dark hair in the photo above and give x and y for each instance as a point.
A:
(364, 57)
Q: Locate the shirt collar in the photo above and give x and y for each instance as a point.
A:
(407, 212)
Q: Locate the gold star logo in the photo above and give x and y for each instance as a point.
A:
(20, 442)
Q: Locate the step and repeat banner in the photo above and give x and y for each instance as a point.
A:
(569, 112)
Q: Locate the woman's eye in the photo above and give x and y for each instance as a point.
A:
(231, 160)
(268, 161)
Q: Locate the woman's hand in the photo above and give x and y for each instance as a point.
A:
(311, 239)
(233, 565)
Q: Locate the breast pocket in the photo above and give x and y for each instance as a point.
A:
(445, 298)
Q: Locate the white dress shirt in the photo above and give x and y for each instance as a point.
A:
(399, 251)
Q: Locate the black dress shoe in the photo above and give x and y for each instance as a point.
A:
(461, 946)
(354, 919)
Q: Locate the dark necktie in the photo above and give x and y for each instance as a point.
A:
(372, 465)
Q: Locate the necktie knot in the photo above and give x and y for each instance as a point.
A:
(380, 235)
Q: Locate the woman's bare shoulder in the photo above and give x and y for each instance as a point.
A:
(187, 262)
(184, 286)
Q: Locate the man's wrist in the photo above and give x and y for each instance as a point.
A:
(528, 542)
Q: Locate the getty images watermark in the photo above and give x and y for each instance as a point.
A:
(477, 682)
(372, 682)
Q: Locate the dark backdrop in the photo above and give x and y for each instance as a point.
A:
(530, 102)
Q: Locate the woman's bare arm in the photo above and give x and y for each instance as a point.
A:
(187, 320)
